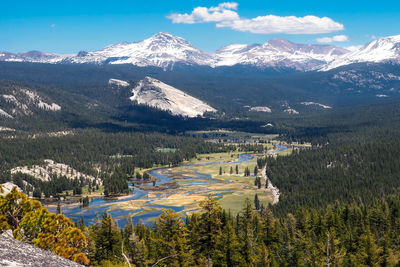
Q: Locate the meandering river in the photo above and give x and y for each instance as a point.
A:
(164, 175)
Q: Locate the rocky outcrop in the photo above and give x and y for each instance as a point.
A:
(17, 253)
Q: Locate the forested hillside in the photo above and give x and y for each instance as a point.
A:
(355, 158)
(228, 89)
(348, 172)
(95, 153)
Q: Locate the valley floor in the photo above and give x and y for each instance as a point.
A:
(207, 174)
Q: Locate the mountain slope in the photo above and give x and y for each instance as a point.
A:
(165, 50)
(161, 50)
(33, 56)
(17, 101)
(157, 94)
(278, 53)
(380, 50)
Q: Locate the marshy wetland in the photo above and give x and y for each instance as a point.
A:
(220, 174)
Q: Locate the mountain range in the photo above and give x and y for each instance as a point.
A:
(166, 50)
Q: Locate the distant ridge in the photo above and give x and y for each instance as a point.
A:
(166, 50)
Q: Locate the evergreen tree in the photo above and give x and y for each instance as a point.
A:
(256, 202)
(210, 225)
(171, 237)
(107, 240)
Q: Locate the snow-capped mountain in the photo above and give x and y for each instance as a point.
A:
(161, 50)
(165, 50)
(278, 53)
(380, 50)
(33, 56)
(155, 93)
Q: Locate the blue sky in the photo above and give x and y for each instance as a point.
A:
(71, 26)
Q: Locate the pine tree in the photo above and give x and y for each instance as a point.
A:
(58, 207)
(107, 239)
(210, 225)
(171, 234)
(255, 171)
(227, 248)
(256, 202)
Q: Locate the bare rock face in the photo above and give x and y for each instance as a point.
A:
(159, 95)
(19, 101)
(16, 253)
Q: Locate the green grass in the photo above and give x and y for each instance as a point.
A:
(236, 201)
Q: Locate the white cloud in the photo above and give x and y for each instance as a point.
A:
(222, 12)
(336, 38)
(228, 5)
(290, 25)
(224, 15)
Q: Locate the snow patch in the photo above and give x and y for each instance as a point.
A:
(380, 50)
(278, 53)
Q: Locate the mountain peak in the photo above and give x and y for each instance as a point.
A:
(279, 41)
(167, 37)
(380, 50)
(166, 50)
(164, 35)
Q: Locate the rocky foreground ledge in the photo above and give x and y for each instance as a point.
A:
(16, 253)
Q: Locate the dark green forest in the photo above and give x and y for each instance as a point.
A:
(96, 153)
(339, 200)
(352, 234)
